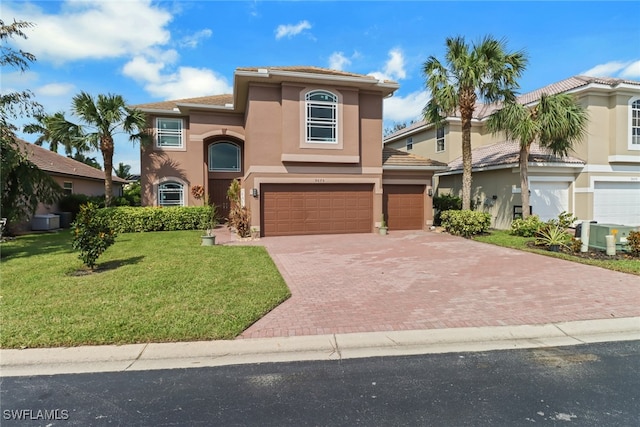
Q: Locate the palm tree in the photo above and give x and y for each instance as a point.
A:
(103, 117)
(483, 71)
(123, 171)
(556, 122)
(67, 139)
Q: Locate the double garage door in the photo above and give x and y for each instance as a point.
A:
(294, 209)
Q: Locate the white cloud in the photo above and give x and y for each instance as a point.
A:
(337, 61)
(394, 67)
(407, 108)
(193, 40)
(292, 30)
(95, 30)
(55, 89)
(629, 69)
(185, 82)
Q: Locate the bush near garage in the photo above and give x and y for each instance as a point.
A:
(526, 227)
(465, 223)
(127, 219)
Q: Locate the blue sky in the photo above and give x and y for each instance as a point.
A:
(157, 50)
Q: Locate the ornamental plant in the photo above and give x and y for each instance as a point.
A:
(466, 223)
(92, 234)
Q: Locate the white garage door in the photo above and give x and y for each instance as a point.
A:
(616, 202)
(549, 199)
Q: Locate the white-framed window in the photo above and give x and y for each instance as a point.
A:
(225, 156)
(440, 147)
(67, 187)
(634, 124)
(409, 144)
(169, 133)
(321, 117)
(170, 193)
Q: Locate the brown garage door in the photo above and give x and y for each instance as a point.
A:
(404, 206)
(293, 209)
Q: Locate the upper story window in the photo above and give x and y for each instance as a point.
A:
(321, 117)
(409, 144)
(440, 140)
(224, 157)
(169, 133)
(634, 136)
(170, 194)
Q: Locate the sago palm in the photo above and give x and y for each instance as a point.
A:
(483, 71)
(557, 122)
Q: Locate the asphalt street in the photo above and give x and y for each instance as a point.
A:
(585, 385)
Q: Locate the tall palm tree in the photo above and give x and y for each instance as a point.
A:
(483, 71)
(104, 117)
(68, 140)
(557, 122)
(123, 171)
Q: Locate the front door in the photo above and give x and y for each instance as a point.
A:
(218, 196)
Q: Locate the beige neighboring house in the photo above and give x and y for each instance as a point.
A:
(73, 176)
(306, 144)
(600, 180)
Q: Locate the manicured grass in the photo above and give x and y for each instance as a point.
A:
(503, 238)
(148, 287)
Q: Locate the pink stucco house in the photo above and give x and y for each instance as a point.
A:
(306, 144)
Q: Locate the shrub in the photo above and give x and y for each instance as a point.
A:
(526, 227)
(466, 223)
(129, 219)
(552, 234)
(633, 240)
(72, 202)
(443, 203)
(239, 216)
(564, 220)
(92, 234)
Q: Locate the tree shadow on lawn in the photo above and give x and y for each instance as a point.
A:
(107, 266)
(37, 244)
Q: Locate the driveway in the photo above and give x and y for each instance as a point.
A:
(428, 280)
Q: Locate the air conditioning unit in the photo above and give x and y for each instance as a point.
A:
(45, 222)
(597, 233)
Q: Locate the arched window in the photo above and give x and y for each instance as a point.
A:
(321, 117)
(224, 157)
(170, 194)
(634, 131)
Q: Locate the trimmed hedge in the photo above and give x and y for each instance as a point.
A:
(466, 223)
(128, 219)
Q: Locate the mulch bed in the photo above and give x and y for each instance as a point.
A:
(591, 254)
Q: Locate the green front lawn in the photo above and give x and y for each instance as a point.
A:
(503, 238)
(148, 287)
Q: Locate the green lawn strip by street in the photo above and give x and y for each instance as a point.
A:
(148, 287)
(503, 238)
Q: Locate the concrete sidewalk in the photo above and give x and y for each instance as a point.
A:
(138, 357)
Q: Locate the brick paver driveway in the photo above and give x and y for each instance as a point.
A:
(425, 280)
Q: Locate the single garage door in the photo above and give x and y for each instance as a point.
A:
(549, 199)
(616, 202)
(404, 206)
(294, 209)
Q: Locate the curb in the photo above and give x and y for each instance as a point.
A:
(140, 357)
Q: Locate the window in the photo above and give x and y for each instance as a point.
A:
(170, 194)
(439, 140)
(634, 142)
(409, 143)
(67, 187)
(169, 133)
(224, 157)
(321, 117)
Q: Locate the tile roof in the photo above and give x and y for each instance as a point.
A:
(220, 100)
(483, 111)
(56, 164)
(508, 153)
(310, 70)
(393, 157)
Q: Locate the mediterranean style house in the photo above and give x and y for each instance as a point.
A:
(600, 181)
(306, 145)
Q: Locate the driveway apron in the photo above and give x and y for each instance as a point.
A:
(427, 280)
